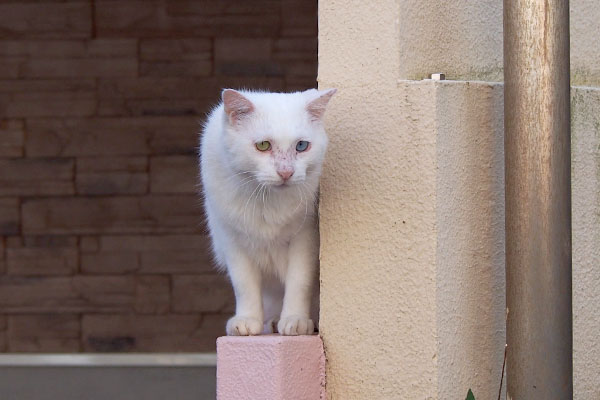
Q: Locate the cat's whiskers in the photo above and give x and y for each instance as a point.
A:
(241, 173)
(303, 186)
(248, 202)
(261, 185)
(263, 199)
(245, 182)
(298, 189)
(242, 179)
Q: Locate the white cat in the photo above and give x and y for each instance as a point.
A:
(261, 156)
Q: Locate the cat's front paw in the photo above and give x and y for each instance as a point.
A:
(295, 325)
(243, 326)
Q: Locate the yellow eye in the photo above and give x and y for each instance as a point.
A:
(263, 146)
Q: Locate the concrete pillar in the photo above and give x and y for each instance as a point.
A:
(412, 263)
(585, 177)
(412, 200)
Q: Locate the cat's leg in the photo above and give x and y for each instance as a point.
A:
(246, 281)
(299, 283)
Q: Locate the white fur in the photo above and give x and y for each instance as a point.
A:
(264, 233)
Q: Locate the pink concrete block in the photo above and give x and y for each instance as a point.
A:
(270, 367)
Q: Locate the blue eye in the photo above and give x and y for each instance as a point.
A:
(301, 146)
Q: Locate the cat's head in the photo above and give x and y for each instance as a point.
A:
(278, 138)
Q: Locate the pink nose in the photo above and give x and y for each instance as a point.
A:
(285, 174)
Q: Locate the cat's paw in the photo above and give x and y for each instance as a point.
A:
(295, 325)
(243, 326)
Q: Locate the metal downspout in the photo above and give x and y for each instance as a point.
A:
(538, 199)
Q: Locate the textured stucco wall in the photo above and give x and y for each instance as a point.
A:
(463, 38)
(585, 175)
(378, 318)
(470, 276)
(362, 315)
(388, 286)
(359, 44)
(585, 52)
(377, 212)
(403, 198)
(412, 202)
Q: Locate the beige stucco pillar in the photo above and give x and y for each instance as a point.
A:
(377, 288)
(412, 199)
(585, 186)
(411, 213)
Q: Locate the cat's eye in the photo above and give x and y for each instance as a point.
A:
(263, 146)
(301, 146)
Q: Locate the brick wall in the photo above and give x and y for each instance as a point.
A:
(101, 242)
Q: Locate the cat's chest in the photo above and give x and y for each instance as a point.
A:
(267, 226)
(267, 219)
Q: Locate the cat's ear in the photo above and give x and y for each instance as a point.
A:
(237, 107)
(316, 108)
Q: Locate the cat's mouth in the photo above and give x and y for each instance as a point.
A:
(283, 184)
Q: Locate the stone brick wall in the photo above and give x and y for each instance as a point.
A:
(102, 246)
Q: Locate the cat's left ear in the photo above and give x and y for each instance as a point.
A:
(316, 108)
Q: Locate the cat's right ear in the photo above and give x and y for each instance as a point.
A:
(237, 107)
